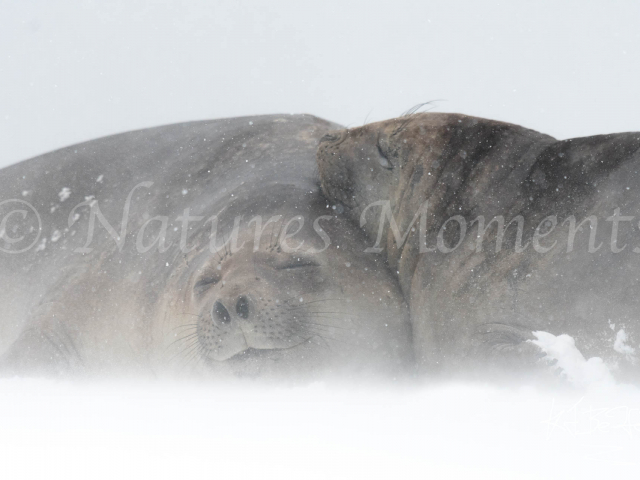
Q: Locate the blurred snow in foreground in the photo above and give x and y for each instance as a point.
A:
(588, 429)
(182, 430)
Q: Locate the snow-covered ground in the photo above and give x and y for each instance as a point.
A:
(181, 430)
(587, 428)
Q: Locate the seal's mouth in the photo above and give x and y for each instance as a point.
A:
(250, 353)
(262, 353)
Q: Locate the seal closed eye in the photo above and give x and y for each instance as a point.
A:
(202, 285)
(383, 159)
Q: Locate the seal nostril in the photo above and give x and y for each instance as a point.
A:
(220, 313)
(242, 307)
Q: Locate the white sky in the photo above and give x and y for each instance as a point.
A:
(73, 71)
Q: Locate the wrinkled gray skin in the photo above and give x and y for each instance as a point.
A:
(267, 313)
(473, 311)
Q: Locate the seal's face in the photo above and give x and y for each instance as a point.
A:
(379, 161)
(272, 311)
(259, 304)
(360, 165)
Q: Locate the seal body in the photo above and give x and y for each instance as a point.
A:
(181, 250)
(501, 232)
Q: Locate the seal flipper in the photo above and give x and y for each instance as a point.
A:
(507, 349)
(45, 348)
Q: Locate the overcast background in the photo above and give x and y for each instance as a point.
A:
(73, 71)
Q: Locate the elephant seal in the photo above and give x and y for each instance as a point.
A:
(499, 233)
(201, 249)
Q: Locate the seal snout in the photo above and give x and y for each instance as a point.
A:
(221, 315)
(238, 320)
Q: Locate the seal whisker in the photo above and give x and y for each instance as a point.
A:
(191, 343)
(183, 330)
(333, 318)
(366, 118)
(409, 114)
(323, 337)
(348, 328)
(331, 335)
(194, 357)
(188, 359)
(323, 315)
(319, 317)
(181, 339)
(298, 295)
(326, 331)
(353, 344)
(304, 304)
(185, 334)
(187, 325)
(415, 108)
(309, 325)
(185, 349)
(320, 335)
(321, 312)
(325, 325)
(308, 341)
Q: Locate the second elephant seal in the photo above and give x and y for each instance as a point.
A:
(564, 260)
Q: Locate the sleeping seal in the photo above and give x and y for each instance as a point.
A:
(202, 249)
(500, 233)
